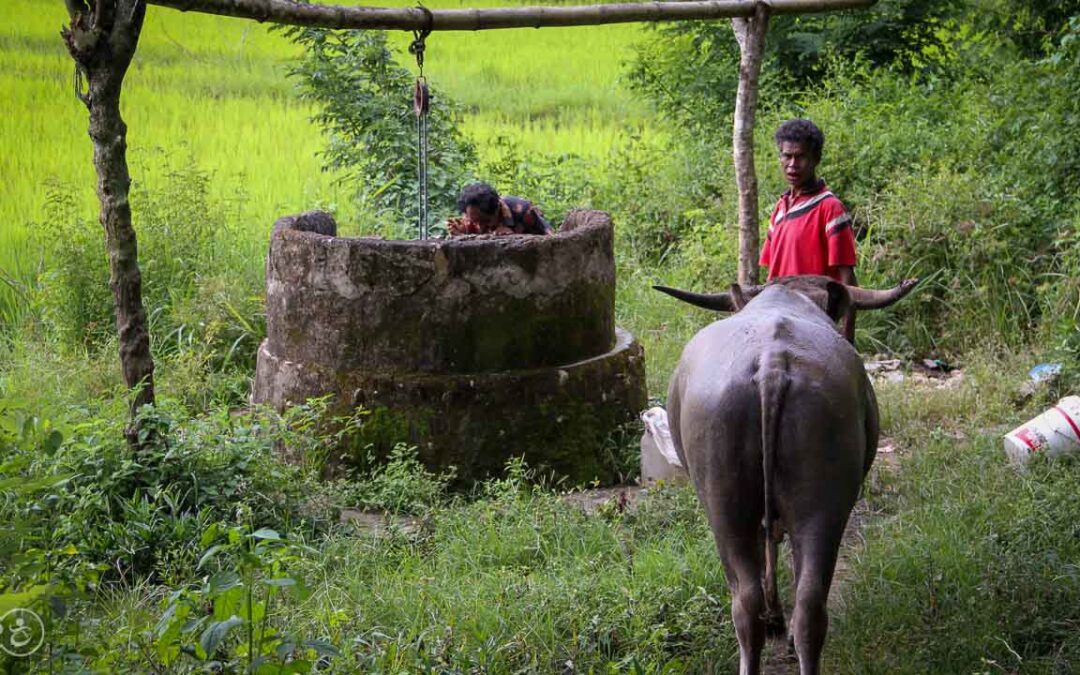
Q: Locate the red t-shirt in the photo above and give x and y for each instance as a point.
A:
(809, 234)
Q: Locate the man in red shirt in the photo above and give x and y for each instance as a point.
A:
(809, 230)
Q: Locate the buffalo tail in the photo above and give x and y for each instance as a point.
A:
(773, 384)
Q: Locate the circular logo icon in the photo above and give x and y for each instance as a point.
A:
(21, 632)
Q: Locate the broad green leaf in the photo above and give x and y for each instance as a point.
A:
(209, 535)
(210, 553)
(229, 602)
(52, 442)
(222, 581)
(321, 647)
(217, 631)
(280, 582)
(266, 533)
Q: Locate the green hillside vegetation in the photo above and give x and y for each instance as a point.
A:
(950, 133)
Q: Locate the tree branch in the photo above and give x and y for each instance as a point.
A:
(412, 18)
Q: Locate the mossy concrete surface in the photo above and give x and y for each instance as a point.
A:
(559, 419)
(466, 304)
(475, 349)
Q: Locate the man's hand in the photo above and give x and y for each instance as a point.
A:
(459, 226)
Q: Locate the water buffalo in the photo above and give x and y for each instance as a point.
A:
(773, 415)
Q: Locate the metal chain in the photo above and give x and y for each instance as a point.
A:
(421, 106)
(422, 166)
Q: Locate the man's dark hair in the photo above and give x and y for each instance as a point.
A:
(802, 131)
(480, 195)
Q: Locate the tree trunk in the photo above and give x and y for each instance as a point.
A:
(418, 18)
(750, 34)
(102, 40)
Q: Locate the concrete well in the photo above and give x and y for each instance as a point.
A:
(476, 349)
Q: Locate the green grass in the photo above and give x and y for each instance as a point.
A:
(967, 566)
(971, 567)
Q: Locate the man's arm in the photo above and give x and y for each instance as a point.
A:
(847, 276)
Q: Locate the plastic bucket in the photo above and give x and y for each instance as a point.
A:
(1054, 432)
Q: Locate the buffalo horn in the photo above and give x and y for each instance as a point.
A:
(869, 298)
(720, 302)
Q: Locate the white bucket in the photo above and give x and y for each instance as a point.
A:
(1054, 432)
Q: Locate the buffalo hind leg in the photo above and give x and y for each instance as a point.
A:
(742, 564)
(815, 560)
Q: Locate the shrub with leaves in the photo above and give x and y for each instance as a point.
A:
(365, 108)
(228, 620)
(396, 484)
(140, 514)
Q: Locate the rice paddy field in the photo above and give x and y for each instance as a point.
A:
(214, 92)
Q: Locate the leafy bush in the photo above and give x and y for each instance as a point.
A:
(233, 611)
(141, 514)
(556, 184)
(962, 174)
(397, 484)
(201, 283)
(73, 298)
(365, 109)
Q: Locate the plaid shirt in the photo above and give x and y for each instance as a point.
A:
(516, 214)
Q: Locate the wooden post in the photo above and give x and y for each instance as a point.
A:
(102, 40)
(414, 18)
(750, 34)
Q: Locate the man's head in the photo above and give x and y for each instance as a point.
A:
(479, 202)
(800, 143)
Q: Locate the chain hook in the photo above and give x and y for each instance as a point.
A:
(417, 46)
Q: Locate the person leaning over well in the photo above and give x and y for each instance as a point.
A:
(485, 212)
(809, 230)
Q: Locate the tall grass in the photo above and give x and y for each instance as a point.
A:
(972, 566)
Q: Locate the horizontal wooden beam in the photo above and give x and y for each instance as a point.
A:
(415, 18)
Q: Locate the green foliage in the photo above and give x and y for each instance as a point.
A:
(365, 109)
(228, 621)
(555, 183)
(201, 283)
(958, 163)
(978, 567)
(690, 70)
(140, 514)
(74, 299)
(398, 483)
(975, 207)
